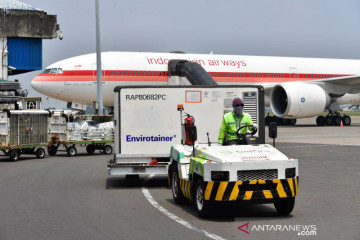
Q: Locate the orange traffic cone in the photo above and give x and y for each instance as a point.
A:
(341, 124)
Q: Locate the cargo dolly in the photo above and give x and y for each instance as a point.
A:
(84, 131)
(24, 132)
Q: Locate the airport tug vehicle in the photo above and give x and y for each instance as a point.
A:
(147, 126)
(209, 173)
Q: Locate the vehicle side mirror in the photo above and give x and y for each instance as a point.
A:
(273, 131)
(192, 133)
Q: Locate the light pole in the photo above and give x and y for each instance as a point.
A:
(98, 61)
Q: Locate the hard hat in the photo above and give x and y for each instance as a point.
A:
(237, 102)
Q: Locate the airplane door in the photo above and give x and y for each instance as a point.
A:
(294, 75)
(94, 68)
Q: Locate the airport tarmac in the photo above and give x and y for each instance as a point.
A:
(74, 198)
(306, 131)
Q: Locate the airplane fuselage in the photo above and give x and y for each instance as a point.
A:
(75, 80)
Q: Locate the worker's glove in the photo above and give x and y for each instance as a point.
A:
(254, 129)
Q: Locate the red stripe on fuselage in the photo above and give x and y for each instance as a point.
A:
(162, 76)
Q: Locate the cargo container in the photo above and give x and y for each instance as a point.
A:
(24, 132)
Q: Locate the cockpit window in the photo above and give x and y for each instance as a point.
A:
(53, 70)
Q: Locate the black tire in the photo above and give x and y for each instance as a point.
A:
(329, 121)
(71, 151)
(52, 150)
(202, 206)
(178, 196)
(40, 153)
(284, 206)
(285, 121)
(267, 120)
(337, 120)
(292, 121)
(346, 120)
(277, 120)
(320, 120)
(107, 149)
(271, 119)
(132, 178)
(90, 148)
(14, 155)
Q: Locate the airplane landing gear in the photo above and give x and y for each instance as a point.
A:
(333, 119)
(346, 120)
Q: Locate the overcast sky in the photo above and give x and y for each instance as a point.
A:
(298, 28)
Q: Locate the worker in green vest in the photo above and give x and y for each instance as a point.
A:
(232, 121)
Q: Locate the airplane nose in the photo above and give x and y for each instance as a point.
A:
(36, 84)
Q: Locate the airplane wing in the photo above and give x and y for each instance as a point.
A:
(351, 83)
(341, 85)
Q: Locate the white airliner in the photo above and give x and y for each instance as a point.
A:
(294, 87)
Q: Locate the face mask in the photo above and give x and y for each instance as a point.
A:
(238, 111)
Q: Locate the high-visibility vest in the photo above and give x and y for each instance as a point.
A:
(231, 123)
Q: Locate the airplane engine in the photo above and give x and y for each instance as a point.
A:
(298, 100)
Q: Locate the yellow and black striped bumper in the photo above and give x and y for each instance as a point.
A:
(185, 188)
(251, 190)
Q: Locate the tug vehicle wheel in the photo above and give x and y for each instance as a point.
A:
(52, 150)
(178, 196)
(40, 153)
(71, 151)
(285, 206)
(90, 149)
(107, 149)
(203, 207)
(14, 155)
